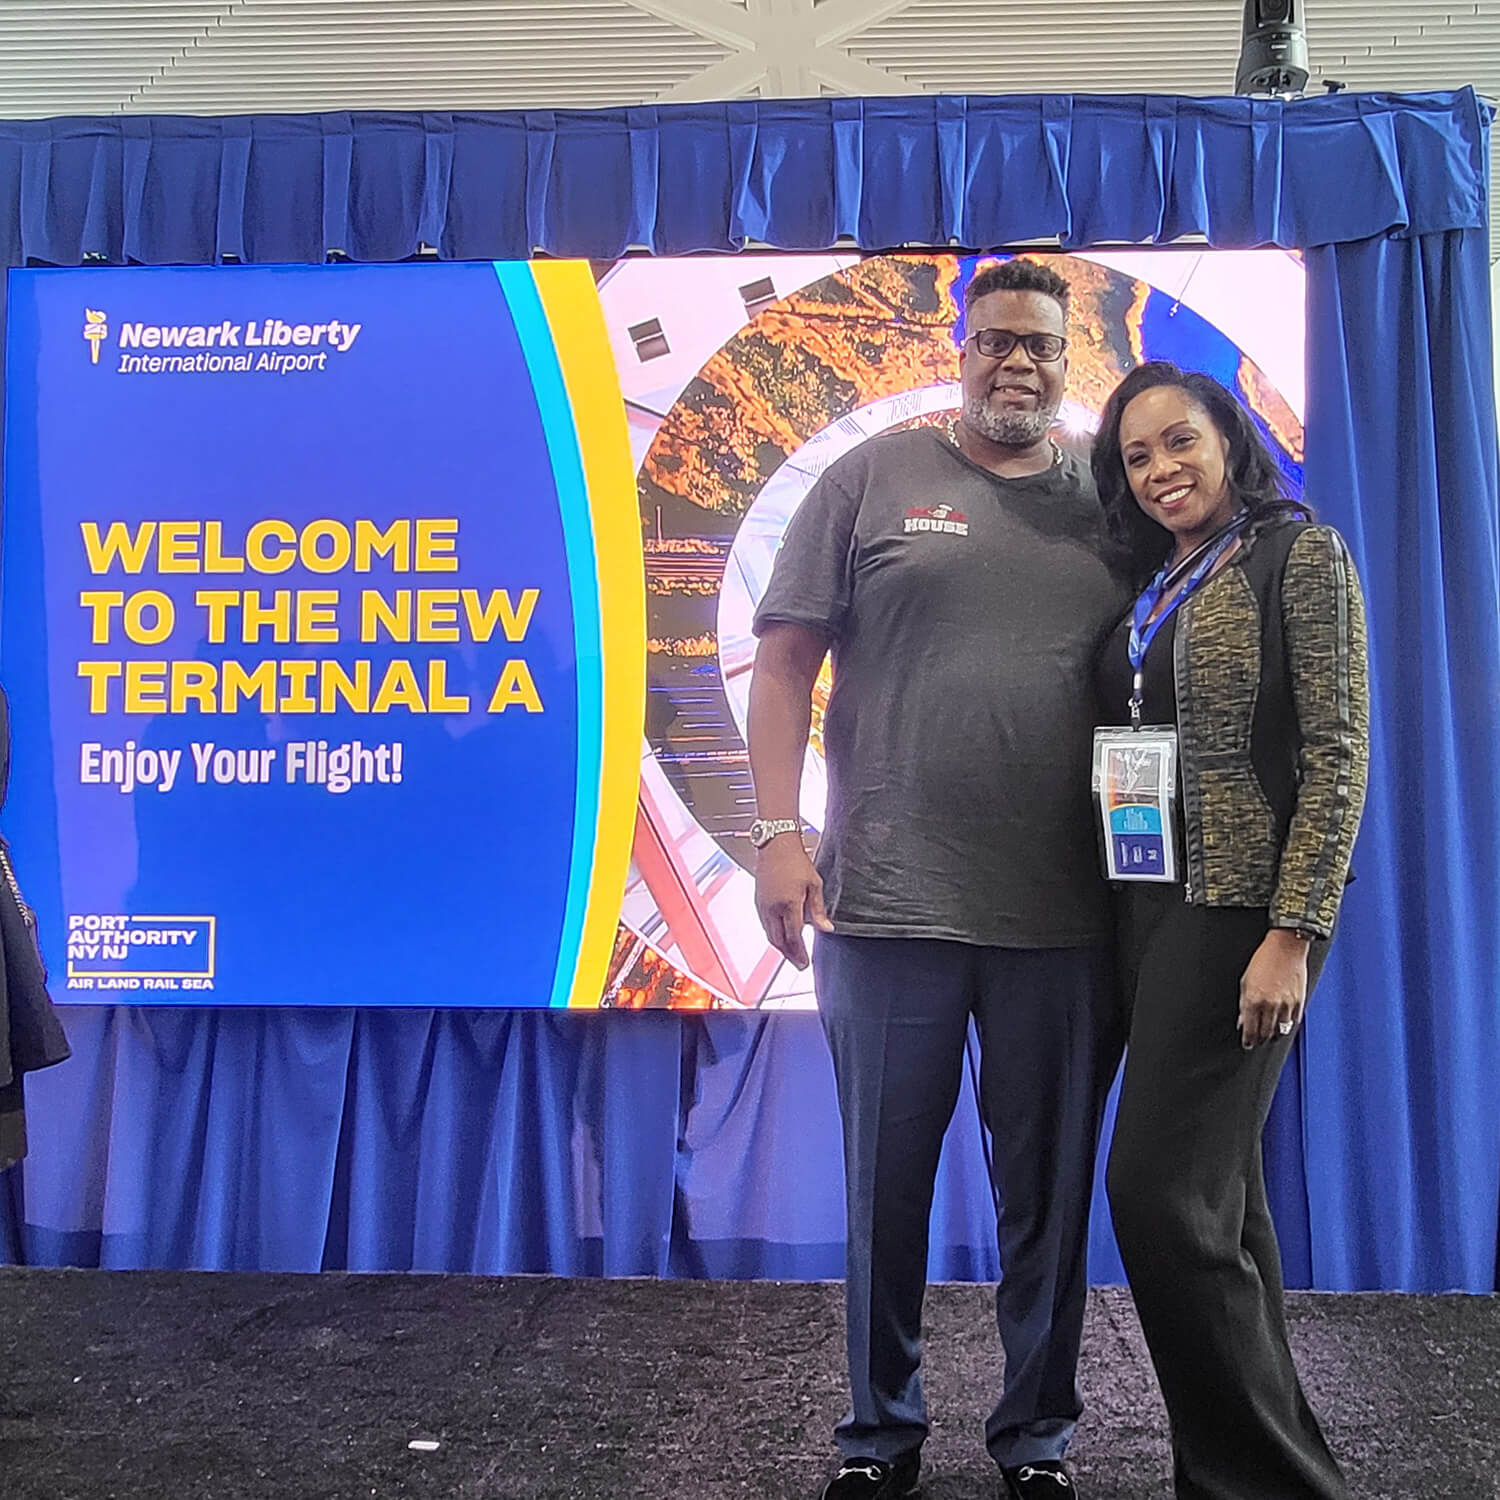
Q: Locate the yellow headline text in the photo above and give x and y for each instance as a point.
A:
(295, 687)
(420, 545)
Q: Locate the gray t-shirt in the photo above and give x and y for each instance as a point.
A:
(964, 612)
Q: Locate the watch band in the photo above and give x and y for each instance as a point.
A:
(763, 830)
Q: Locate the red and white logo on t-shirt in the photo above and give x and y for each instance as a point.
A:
(942, 518)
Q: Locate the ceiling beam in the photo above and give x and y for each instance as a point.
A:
(850, 76)
(836, 21)
(728, 79)
(716, 20)
(786, 47)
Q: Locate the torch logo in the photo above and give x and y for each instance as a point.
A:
(95, 330)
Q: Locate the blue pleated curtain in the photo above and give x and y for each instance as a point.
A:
(707, 1146)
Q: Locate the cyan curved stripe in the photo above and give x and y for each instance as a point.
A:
(578, 539)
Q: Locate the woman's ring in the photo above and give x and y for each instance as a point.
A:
(1284, 1027)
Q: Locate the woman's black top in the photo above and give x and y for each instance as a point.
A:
(1113, 676)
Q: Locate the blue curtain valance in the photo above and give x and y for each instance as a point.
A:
(798, 174)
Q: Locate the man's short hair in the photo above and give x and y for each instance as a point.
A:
(1018, 276)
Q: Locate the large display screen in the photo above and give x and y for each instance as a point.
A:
(381, 635)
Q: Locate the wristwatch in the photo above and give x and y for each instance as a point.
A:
(763, 830)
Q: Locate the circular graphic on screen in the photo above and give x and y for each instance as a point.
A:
(868, 349)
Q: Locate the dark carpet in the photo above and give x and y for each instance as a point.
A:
(146, 1385)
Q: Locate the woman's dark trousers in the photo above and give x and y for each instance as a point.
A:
(1188, 1197)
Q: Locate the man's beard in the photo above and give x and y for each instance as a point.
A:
(1008, 429)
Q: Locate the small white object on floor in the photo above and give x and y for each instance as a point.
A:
(424, 1445)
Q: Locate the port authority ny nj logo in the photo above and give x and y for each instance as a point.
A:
(95, 330)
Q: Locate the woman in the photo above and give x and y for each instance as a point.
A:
(1249, 638)
(30, 1037)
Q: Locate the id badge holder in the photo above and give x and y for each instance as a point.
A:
(1135, 787)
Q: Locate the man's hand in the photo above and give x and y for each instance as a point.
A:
(789, 896)
(1273, 989)
(788, 892)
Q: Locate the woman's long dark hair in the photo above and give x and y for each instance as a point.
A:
(1254, 480)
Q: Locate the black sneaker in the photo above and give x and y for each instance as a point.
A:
(875, 1479)
(1046, 1479)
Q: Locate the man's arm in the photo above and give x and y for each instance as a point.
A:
(788, 890)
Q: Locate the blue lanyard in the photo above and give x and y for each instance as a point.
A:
(1143, 633)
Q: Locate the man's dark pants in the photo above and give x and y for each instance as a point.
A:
(896, 1013)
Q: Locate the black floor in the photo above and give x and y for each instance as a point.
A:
(225, 1386)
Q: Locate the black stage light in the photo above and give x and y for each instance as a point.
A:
(1273, 56)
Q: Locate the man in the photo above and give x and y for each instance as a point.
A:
(959, 584)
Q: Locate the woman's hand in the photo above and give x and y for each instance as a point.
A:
(1273, 989)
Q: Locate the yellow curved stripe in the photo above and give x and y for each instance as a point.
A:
(588, 368)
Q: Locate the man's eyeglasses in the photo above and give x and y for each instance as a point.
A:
(997, 343)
